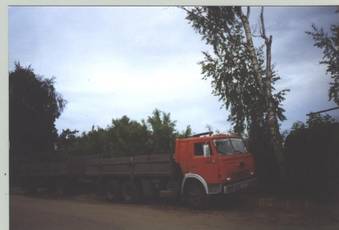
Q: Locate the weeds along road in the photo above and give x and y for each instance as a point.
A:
(32, 213)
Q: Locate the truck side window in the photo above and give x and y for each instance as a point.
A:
(199, 149)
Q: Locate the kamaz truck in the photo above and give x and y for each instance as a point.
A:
(203, 165)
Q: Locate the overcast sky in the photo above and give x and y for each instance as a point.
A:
(115, 61)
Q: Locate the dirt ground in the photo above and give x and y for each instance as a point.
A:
(87, 212)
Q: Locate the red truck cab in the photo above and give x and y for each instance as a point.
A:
(214, 164)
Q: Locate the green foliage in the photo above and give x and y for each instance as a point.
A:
(128, 137)
(312, 158)
(162, 131)
(230, 67)
(298, 125)
(66, 139)
(239, 78)
(34, 105)
(313, 121)
(94, 142)
(317, 119)
(329, 45)
(185, 133)
(125, 137)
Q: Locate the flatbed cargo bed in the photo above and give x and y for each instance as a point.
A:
(142, 165)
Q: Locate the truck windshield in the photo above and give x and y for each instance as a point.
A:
(238, 145)
(229, 146)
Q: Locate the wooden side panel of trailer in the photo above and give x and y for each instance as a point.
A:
(153, 165)
(144, 165)
(110, 166)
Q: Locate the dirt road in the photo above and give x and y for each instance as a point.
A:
(28, 213)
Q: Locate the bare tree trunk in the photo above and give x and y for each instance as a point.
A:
(250, 46)
(265, 86)
(271, 117)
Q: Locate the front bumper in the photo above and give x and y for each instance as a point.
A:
(231, 187)
(239, 186)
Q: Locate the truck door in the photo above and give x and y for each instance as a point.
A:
(204, 162)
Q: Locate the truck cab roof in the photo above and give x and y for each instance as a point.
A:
(208, 136)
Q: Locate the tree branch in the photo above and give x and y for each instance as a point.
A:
(262, 24)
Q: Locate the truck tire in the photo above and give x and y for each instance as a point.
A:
(30, 186)
(148, 190)
(131, 191)
(60, 189)
(30, 190)
(113, 191)
(195, 195)
(64, 187)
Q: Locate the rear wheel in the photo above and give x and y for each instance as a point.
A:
(148, 190)
(65, 187)
(195, 195)
(112, 191)
(30, 190)
(131, 191)
(30, 186)
(62, 188)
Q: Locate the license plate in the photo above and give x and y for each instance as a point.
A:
(235, 187)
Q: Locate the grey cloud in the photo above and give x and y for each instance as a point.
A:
(143, 42)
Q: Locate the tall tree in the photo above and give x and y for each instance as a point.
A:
(162, 131)
(128, 137)
(329, 43)
(124, 137)
(271, 115)
(34, 105)
(66, 140)
(185, 133)
(237, 70)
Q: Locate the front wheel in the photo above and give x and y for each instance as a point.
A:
(195, 196)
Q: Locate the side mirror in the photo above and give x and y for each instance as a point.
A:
(207, 151)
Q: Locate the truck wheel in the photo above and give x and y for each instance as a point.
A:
(60, 190)
(148, 190)
(30, 190)
(131, 192)
(30, 186)
(64, 187)
(112, 191)
(195, 196)
(51, 188)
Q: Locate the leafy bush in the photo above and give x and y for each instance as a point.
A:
(312, 156)
(124, 137)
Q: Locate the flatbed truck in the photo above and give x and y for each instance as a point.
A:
(202, 165)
